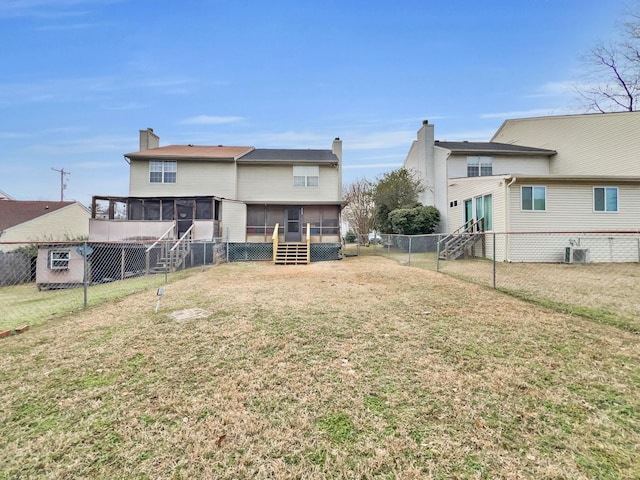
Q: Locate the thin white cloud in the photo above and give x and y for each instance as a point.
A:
(211, 120)
(70, 89)
(48, 8)
(470, 135)
(554, 89)
(534, 112)
(380, 139)
(96, 144)
(10, 135)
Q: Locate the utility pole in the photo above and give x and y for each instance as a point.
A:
(62, 185)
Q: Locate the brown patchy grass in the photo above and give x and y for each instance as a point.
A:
(355, 369)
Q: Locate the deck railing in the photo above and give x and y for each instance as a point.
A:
(308, 243)
(274, 239)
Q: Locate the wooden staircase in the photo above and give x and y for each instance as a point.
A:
(291, 253)
(455, 245)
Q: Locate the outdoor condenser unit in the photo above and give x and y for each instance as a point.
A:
(576, 255)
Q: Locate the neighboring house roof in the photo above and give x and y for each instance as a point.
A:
(494, 148)
(15, 212)
(191, 152)
(279, 155)
(4, 196)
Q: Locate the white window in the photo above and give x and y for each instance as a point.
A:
(605, 199)
(59, 259)
(533, 198)
(307, 176)
(162, 171)
(479, 166)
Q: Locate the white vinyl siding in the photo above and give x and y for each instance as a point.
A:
(273, 184)
(502, 165)
(570, 208)
(582, 142)
(476, 188)
(197, 178)
(234, 221)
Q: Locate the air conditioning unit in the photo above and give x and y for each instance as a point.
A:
(576, 255)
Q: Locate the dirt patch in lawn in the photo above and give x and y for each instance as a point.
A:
(354, 369)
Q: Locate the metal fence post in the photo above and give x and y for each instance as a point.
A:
(85, 276)
(494, 260)
(409, 263)
(438, 253)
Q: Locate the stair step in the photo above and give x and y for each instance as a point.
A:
(291, 254)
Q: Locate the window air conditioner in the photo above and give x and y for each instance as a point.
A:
(576, 255)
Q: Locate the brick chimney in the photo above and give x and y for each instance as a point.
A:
(148, 139)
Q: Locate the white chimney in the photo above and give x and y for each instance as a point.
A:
(336, 149)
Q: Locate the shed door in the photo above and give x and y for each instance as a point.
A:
(292, 222)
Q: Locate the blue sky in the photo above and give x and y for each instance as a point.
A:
(80, 78)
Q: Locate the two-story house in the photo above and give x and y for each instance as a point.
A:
(571, 173)
(235, 194)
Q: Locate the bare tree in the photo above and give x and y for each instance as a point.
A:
(358, 211)
(613, 76)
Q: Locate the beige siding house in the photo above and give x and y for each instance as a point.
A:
(591, 144)
(564, 175)
(235, 194)
(439, 163)
(23, 222)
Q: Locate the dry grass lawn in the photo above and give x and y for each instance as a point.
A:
(354, 369)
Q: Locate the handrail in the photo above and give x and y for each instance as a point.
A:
(274, 240)
(308, 243)
(453, 239)
(188, 232)
(173, 225)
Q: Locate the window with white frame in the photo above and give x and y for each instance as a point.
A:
(59, 259)
(163, 171)
(534, 198)
(479, 166)
(605, 199)
(306, 176)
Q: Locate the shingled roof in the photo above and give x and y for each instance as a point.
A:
(494, 148)
(283, 155)
(15, 212)
(191, 152)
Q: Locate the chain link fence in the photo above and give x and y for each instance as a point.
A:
(40, 281)
(594, 274)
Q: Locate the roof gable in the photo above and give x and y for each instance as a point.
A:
(15, 212)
